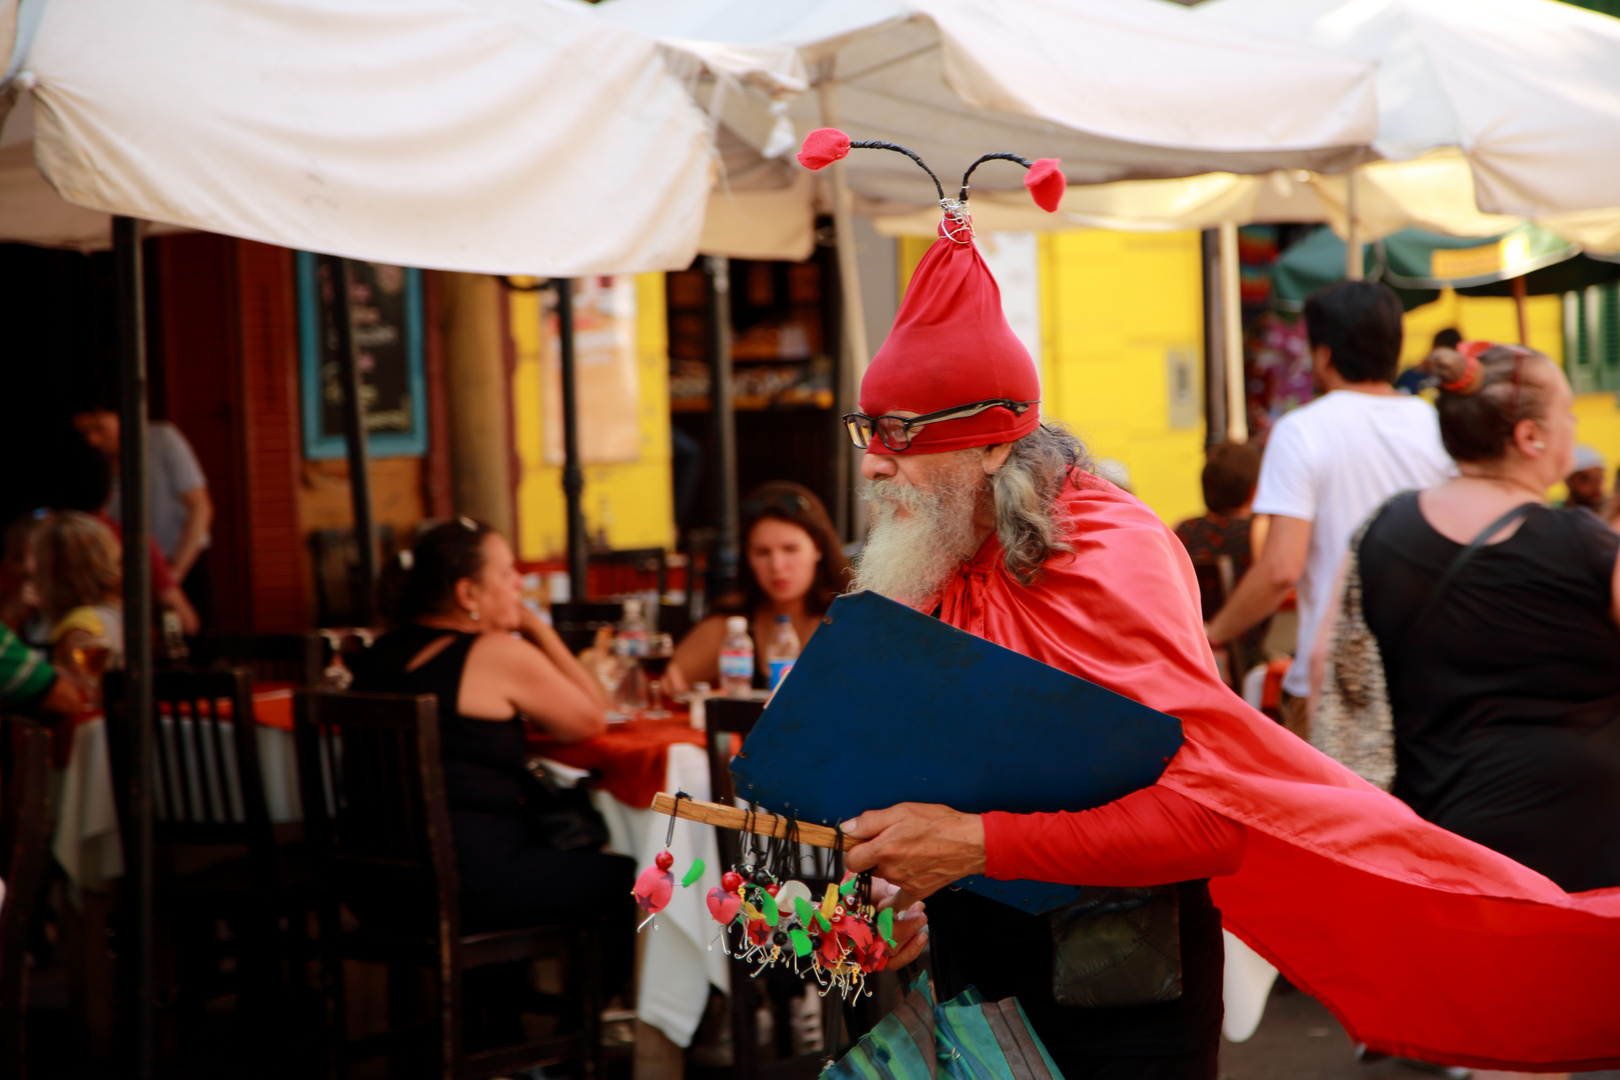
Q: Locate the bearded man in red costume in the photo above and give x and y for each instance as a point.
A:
(1423, 944)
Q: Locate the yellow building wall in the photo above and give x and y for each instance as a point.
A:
(1493, 318)
(1113, 305)
(632, 503)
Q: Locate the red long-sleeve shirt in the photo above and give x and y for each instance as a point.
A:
(1154, 836)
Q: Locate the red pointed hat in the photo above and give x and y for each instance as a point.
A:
(951, 345)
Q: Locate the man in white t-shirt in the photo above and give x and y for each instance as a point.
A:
(1329, 465)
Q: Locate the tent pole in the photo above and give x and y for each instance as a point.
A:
(1237, 402)
(136, 523)
(1215, 395)
(1519, 298)
(723, 568)
(573, 476)
(354, 435)
(1355, 263)
(852, 310)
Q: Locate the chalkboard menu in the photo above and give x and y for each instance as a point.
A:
(386, 306)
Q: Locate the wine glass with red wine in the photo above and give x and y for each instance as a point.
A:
(655, 661)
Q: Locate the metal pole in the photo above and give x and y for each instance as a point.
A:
(137, 530)
(1519, 300)
(1237, 401)
(1209, 249)
(1355, 263)
(723, 568)
(354, 434)
(573, 476)
(852, 310)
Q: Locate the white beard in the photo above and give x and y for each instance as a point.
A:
(909, 559)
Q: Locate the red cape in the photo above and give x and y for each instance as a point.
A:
(1423, 944)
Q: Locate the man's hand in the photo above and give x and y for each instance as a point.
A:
(910, 924)
(199, 516)
(920, 847)
(68, 695)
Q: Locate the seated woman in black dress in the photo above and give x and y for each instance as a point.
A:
(1506, 701)
(463, 635)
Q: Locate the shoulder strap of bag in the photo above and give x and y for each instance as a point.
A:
(1463, 556)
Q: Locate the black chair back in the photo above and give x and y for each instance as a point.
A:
(587, 613)
(208, 783)
(294, 658)
(25, 840)
(375, 816)
(631, 570)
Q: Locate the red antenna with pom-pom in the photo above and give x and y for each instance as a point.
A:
(1044, 179)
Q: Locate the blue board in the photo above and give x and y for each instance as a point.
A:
(887, 705)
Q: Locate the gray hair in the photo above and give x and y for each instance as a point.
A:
(1026, 490)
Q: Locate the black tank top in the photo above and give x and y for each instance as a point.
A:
(483, 759)
(1507, 703)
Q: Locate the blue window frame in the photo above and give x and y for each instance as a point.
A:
(388, 338)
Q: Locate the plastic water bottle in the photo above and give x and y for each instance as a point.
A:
(737, 659)
(782, 650)
(630, 645)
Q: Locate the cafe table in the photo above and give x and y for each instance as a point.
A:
(86, 841)
(681, 957)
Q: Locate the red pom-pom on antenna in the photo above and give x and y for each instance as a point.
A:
(822, 147)
(1046, 183)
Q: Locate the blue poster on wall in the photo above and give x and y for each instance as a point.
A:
(386, 306)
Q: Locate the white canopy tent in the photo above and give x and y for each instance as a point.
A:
(501, 136)
(1117, 89)
(1527, 90)
(1434, 192)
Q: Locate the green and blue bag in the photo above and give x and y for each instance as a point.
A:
(967, 1038)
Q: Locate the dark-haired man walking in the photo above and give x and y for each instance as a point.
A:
(1330, 464)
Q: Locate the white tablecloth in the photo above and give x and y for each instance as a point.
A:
(679, 964)
(86, 840)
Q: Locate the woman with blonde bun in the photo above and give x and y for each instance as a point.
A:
(1503, 667)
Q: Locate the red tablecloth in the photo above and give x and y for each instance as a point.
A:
(631, 757)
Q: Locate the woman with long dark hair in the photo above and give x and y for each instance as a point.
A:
(792, 565)
(462, 634)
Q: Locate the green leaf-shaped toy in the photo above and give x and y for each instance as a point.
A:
(806, 913)
(768, 902)
(885, 925)
(848, 887)
(801, 942)
(694, 873)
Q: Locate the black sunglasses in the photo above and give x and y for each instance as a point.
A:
(895, 431)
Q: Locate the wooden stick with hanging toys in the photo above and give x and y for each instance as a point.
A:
(766, 914)
(739, 820)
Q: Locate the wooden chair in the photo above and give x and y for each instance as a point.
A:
(25, 840)
(576, 621)
(724, 718)
(376, 817)
(631, 570)
(218, 856)
(291, 658)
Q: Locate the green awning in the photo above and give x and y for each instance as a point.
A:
(1417, 264)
